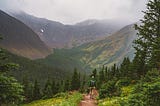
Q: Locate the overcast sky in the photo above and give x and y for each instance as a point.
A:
(72, 11)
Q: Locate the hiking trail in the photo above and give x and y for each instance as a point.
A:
(87, 101)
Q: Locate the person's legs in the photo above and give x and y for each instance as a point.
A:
(91, 93)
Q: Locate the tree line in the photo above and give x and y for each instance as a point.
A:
(34, 91)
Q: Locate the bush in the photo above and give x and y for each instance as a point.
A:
(144, 94)
(109, 89)
(152, 75)
(134, 100)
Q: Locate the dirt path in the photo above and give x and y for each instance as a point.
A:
(87, 101)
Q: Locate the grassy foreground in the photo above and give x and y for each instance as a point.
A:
(62, 99)
(115, 101)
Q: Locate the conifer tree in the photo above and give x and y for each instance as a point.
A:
(10, 90)
(137, 67)
(53, 86)
(57, 87)
(67, 85)
(75, 82)
(113, 70)
(107, 74)
(94, 73)
(148, 43)
(61, 87)
(83, 82)
(47, 91)
(101, 76)
(79, 80)
(28, 89)
(36, 91)
(125, 67)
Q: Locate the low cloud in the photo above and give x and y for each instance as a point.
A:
(72, 11)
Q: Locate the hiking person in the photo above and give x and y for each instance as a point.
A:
(92, 85)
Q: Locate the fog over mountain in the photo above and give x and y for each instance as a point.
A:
(58, 35)
(73, 11)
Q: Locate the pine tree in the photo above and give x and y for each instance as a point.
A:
(53, 87)
(47, 91)
(57, 88)
(125, 68)
(28, 89)
(94, 73)
(101, 76)
(10, 90)
(148, 43)
(67, 85)
(61, 88)
(113, 70)
(83, 82)
(79, 80)
(75, 82)
(36, 91)
(137, 68)
(107, 74)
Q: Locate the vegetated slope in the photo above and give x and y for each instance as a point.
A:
(110, 50)
(34, 70)
(58, 35)
(94, 54)
(20, 39)
(65, 59)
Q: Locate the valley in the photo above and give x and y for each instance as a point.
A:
(106, 52)
(108, 44)
(58, 35)
(51, 56)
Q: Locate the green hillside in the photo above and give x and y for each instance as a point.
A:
(106, 52)
(65, 59)
(35, 70)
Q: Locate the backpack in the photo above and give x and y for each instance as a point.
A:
(92, 83)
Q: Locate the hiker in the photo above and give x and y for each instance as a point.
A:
(92, 85)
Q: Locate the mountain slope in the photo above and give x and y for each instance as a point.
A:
(110, 50)
(34, 70)
(20, 39)
(58, 35)
(92, 55)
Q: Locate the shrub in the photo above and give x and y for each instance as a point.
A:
(134, 100)
(144, 94)
(109, 89)
(151, 75)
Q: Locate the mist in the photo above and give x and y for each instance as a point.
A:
(73, 11)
